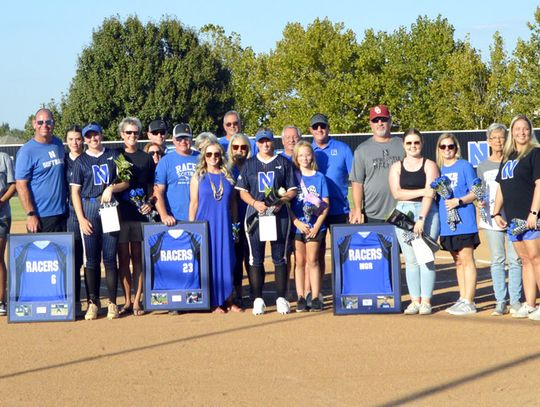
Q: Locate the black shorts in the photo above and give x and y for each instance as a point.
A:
(457, 242)
(336, 220)
(319, 237)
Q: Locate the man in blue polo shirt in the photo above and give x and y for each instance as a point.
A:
(334, 159)
(39, 176)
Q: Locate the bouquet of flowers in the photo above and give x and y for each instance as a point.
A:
(272, 198)
(519, 226)
(123, 169)
(479, 190)
(236, 231)
(138, 197)
(442, 186)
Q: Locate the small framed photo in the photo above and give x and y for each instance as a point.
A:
(176, 266)
(41, 277)
(365, 269)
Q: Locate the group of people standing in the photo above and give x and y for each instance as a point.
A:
(237, 184)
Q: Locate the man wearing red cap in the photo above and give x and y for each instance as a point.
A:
(372, 199)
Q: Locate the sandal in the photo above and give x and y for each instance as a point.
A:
(137, 312)
(125, 310)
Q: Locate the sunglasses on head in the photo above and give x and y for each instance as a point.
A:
(447, 146)
(242, 147)
(317, 126)
(48, 122)
(409, 143)
(131, 133)
(158, 132)
(216, 154)
(380, 119)
(231, 124)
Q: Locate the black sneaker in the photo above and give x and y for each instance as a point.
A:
(301, 305)
(316, 305)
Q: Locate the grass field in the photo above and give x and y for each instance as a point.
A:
(17, 212)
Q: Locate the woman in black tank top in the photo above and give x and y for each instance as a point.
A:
(410, 181)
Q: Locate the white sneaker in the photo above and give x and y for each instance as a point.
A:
(112, 312)
(535, 315)
(425, 309)
(464, 308)
(412, 309)
(91, 312)
(259, 307)
(515, 308)
(282, 306)
(524, 311)
(456, 305)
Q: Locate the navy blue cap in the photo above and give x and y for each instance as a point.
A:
(264, 134)
(92, 127)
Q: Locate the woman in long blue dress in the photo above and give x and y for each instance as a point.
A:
(211, 192)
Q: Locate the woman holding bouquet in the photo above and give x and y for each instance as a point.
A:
(266, 183)
(92, 184)
(519, 194)
(410, 181)
(134, 207)
(211, 199)
(459, 233)
(308, 220)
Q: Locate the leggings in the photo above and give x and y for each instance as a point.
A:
(94, 245)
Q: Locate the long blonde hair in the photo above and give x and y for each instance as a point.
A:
(201, 169)
(440, 160)
(297, 147)
(510, 145)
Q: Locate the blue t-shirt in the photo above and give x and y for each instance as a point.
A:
(461, 175)
(335, 162)
(174, 171)
(315, 184)
(42, 165)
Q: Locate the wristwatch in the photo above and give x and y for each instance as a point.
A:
(460, 202)
(534, 213)
(31, 213)
(420, 217)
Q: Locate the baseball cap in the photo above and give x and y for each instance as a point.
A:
(264, 134)
(182, 130)
(318, 118)
(156, 125)
(92, 127)
(379, 111)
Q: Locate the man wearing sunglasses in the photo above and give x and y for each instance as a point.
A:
(157, 133)
(233, 125)
(39, 175)
(173, 175)
(373, 201)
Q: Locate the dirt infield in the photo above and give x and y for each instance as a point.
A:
(205, 359)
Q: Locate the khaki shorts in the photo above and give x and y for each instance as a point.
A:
(130, 231)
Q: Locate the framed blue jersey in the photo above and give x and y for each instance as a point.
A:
(365, 269)
(176, 266)
(41, 277)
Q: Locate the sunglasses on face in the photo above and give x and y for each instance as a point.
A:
(48, 122)
(231, 124)
(90, 135)
(131, 133)
(158, 153)
(447, 146)
(412, 143)
(380, 119)
(242, 147)
(318, 126)
(158, 132)
(209, 154)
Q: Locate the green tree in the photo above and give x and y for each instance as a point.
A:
(147, 70)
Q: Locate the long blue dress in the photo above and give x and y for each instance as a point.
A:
(218, 215)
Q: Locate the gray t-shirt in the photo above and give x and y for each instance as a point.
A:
(372, 162)
(7, 176)
(487, 171)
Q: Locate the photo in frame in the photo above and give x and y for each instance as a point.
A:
(41, 283)
(176, 267)
(365, 269)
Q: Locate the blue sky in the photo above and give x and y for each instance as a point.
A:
(41, 41)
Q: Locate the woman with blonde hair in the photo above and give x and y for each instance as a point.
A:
(519, 194)
(211, 200)
(459, 237)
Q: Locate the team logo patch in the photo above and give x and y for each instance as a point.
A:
(101, 174)
(265, 180)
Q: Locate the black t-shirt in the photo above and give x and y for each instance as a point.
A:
(517, 179)
(142, 176)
